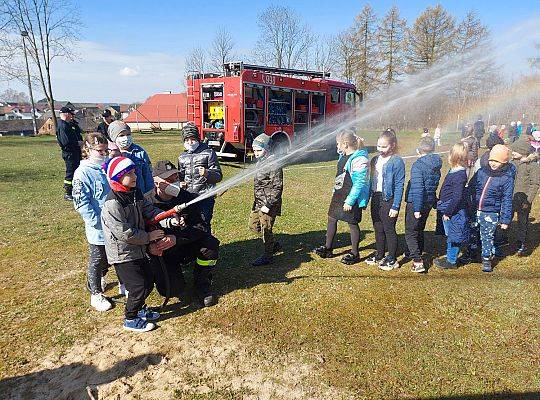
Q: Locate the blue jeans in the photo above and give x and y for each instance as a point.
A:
(207, 208)
(488, 222)
(452, 248)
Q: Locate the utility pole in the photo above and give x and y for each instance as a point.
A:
(24, 34)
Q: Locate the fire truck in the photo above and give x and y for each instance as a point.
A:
(232, 108)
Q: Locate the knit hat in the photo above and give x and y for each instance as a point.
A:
(522, 146)
(261, 142)
(115, 169)
(164, 169)
(116, 128)
(499, 153)
(493, 139)
(190, 130)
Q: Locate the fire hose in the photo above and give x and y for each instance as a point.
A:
(152, 223)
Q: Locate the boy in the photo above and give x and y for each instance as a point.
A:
(123, 219)
(268, 188)
(526, 188)
(420, 197)
(120, 133)
(492, 187)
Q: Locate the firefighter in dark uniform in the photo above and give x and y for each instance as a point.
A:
(69, 136)
(104, 125)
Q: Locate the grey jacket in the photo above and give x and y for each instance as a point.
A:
(123, 220)
(203, 156)
(268, 187)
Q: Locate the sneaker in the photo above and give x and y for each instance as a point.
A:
(100, 302)
(522, 250)
(323, 252)
(138, 325)
(122, 291)
(373, 260)
(209, 301)
(103, 284)
(418, 266)
(443, 263)
(350, 259)
(277, 247)
(262, 260)
(406, 256)
(486, 266)
(388, 264)
(148, 315)
(68, 197)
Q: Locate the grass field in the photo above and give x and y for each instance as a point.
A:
(364, 333)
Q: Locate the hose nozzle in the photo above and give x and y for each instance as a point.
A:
(180, 207)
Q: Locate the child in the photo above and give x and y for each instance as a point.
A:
(420, 197)
(492, 188)
(526, 188)
(472, 149)
(120, 133)
(437, 135)
(350, 194)
(268, 188)
(387, 181)
(123, 217)
(90, 188)
(452, 205)
(425, 132)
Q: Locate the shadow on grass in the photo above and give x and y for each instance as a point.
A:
(491, 396)
(70, 381)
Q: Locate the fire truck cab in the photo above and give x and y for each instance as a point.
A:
(232, 108)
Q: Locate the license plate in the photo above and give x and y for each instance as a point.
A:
(214, 143)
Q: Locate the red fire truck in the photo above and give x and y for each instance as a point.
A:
(232, 108)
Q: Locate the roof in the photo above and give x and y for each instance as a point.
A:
(163, 107)
(19, 125)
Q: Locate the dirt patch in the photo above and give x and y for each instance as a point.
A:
(167, 365)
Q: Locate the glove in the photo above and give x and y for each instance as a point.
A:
(265, 209)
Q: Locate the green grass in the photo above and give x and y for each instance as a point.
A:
(380, 335)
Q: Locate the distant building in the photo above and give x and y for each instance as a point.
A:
(164, 111)
(19, 127)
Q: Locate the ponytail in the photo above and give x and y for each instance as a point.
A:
(91, 139)
(348, 136)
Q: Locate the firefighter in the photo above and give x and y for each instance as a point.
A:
(69, 136)
(199, 169)
(104, 125)
(191, 241)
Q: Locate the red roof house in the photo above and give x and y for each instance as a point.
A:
(160, 111)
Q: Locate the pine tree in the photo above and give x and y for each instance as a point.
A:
(391, 38)
(470, 33)
(364, 37)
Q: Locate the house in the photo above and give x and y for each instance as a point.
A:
(19, 127)
(161, 111)
(87, 120)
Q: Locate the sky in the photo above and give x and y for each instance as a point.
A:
(129, 50)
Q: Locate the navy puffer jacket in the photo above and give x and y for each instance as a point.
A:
(422, 187)
(492, 191)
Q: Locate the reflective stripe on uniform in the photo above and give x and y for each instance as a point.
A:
(206, 263)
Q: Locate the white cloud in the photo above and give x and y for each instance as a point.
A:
(127, 71)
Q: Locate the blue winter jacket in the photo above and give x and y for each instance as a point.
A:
(358, 167)
(90, 188)
(453, 203)
(393, 179)
(492, 191)
(422, 187)
(143, 167)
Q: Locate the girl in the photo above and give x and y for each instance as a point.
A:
(452, 205)
(437, 135)
(350, 194)
(387, 181)
(492, 188)
(90, 188)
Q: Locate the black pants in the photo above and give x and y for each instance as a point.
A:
(522, 225)
(414, 231)
(97, 267)
(72, 161)
(138, 279)
(384, 226)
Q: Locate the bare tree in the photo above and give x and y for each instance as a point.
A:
(365, 41)
(52, 30)
(283, 39)
(470, 33)
(391, 38)
(11, 95)
(222, 49)
(323, 54)
(345, 55)
(431, 38)
(196, 61)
